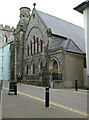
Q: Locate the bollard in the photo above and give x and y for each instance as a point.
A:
(47, 97)
(15, 89)
(76, 85)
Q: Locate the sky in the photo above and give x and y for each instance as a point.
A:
(63, 9)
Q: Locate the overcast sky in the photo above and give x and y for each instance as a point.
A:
(9, 10)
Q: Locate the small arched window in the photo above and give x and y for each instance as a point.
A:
(5, 39)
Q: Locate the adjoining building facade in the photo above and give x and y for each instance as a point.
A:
(6, 37)
(47, 51)
(84, 9)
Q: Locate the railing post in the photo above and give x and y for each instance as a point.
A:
(76, 85)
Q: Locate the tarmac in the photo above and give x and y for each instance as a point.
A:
(20, 106)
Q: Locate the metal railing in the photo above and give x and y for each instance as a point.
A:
(56, 76)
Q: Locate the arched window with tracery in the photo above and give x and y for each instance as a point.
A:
(36, 45)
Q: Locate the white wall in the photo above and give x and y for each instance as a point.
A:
(86, 25)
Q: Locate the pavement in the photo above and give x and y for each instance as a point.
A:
(24, 105)
(0, 110)
(0, 102)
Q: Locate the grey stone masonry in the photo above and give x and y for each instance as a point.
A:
(6, 35)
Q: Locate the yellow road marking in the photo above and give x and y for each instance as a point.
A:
(31, 96)
(70, 109)
(55, 104)
(72, 91)
(5, 88)
(80, 92)
(34, 86)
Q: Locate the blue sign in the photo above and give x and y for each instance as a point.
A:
(1, 74)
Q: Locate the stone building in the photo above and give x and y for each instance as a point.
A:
(6, 38)
(48, 50)
(6, 35)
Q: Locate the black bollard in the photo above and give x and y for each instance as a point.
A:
(47, 97)
(76, 85)
(15, 89)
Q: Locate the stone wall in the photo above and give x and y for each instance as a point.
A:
(74, 64)
(6, 35)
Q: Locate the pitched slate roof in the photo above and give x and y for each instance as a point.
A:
(63, 28)
(68, 45)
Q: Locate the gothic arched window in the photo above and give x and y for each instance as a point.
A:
(41, 46)
(34, 43)
(28, 50)
(37, 45)
(5, 39)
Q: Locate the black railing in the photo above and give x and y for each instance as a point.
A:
(33, 77)
(56, 76)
